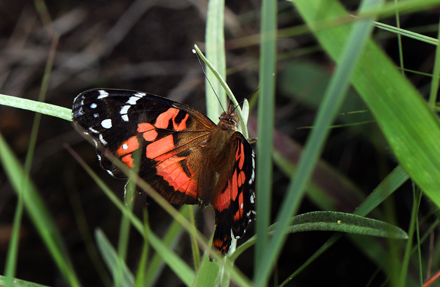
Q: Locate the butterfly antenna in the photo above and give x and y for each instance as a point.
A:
(247, 97)
(206, 77)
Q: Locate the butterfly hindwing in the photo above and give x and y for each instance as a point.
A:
(234, 206)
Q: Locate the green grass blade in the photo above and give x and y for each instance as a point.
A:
(390, 184)
(410, 127)
(142, 267)
(20, 283)
(215, 52)
(435, 75)
(170, 239)
(11, 260)
(332, 101)
(344, 222)
(114, 263)
(37, 212)
(266, 118)
(231, 96)
(208, 274)
(39, 107)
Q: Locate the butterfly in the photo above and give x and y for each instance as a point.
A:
(185, 157)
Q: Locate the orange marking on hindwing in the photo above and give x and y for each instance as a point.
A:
(164, 118)
(239, 156)
(241, 178)
(160, 147)
(128, 146)
(219, 244)
(173, 173)
(223, 200)
(239, 212)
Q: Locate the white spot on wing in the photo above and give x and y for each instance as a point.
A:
(140, 94)
(102, 94)
(107, 123)
(124, 109)
(95, 115)
(93, 130)
(102, 140)
(124, 146)
(93, 105)
(123, 112)
(134, 99)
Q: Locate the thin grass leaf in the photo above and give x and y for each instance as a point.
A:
(194, 246)
(19, 283)
(12, 255)
(357, 37)
(370, 247)
(231, 96)
(407, 33)
(412, 130)
(140, 275)
(387, 186)
(208, 274)
(39, 107)
(435, 74)
(266, 119)
(216, 102)
(13, 248)
(344, 222)
(37, 212)
(417, 197)
(112, 259)
(171, 238)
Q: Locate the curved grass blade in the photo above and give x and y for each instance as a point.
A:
(39, 107)
(356, 38)
(113, 261)
(37, 212)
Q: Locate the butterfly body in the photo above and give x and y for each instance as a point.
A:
(184, 156)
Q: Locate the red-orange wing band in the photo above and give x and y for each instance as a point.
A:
(166, 135)
(235, 205)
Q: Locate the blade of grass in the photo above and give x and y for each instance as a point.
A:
(410, 127)
(390, 184)
(37, 212)
(266, 118)
(435, 74)
(194, 246)
(327, 112)
(13, 247)
(417, 198)
(20, 283)
(113, 261)
(140, 275)
(231, 96)
(34, 106)
(216, 102)
(171, 237)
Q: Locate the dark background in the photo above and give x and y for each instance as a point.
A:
(146, 46)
